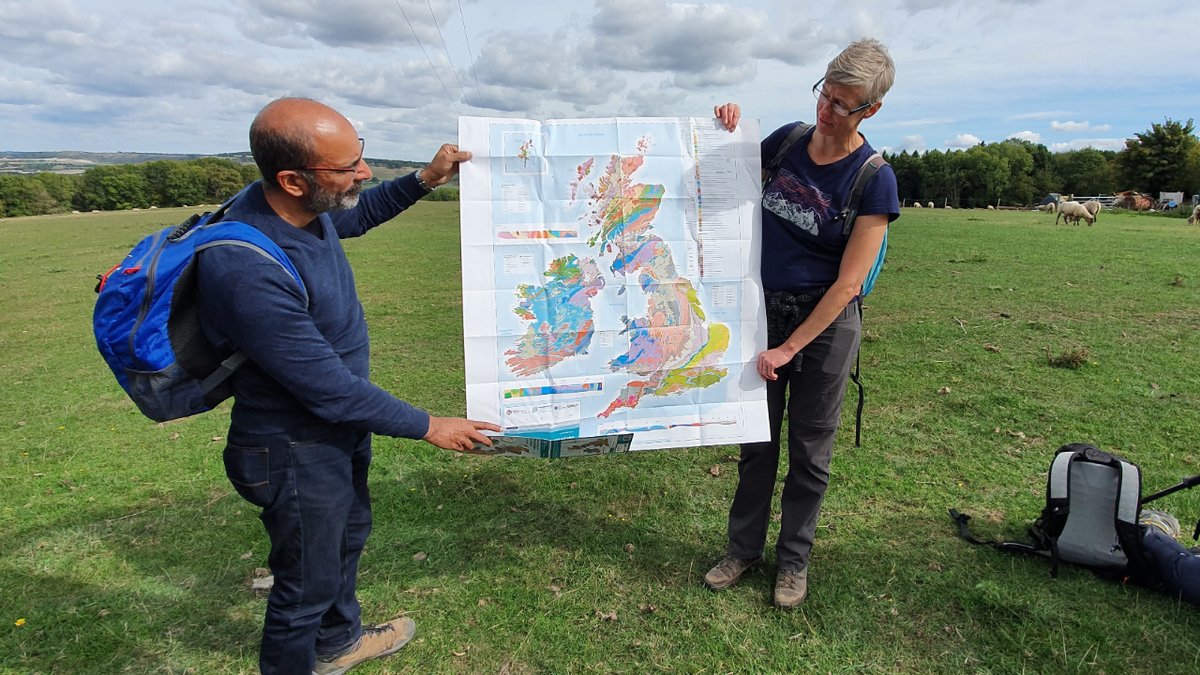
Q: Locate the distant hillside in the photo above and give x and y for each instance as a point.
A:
(70, 161)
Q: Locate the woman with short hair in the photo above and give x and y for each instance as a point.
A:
(812, 274)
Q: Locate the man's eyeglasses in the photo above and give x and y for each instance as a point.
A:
(346, 169)
(819, 94)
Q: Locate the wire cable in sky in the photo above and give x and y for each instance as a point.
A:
(446, 49)
(427, 59)
(470, 53)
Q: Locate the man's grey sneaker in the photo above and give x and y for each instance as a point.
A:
(727, 572)
(791, 587)
(376, 641)
(1160, 520)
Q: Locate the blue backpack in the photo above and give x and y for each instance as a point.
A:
(147, 324)
(847, 215)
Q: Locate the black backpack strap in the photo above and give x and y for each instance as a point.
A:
(857, 380)
(772, 167)
(220, 213)
(961, 520)
(1045, 542)
(1058, 488)
(865, 173)
(234, 361)
(849, 212)
(964, 530)
(223, 372)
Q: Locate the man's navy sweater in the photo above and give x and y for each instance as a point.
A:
(308, 363)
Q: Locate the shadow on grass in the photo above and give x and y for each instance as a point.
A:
(167, 584)
(141, 589)
(507, 514)
(537, 552)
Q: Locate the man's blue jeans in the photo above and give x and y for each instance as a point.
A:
(1178, 568)
(312, 487)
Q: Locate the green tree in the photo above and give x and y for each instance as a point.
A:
(443, 194)
(114, 187)
(175, 183)
(984, 174)
(23, 196)
(222, 178)
(1157, 160)
(1020, 188)
(940, 174)
(63, 188)
(1087, 171)
(1192, 173)
(249, 172)
(1043, 176)
(908, 175)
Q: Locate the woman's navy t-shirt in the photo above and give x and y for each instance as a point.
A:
(801, 236)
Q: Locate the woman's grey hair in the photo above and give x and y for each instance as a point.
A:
(866, 64)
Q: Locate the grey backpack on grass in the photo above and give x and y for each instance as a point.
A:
(1093, 500)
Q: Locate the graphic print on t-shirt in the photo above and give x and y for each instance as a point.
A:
(796, 201)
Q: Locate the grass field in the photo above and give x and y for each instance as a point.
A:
(124, 549)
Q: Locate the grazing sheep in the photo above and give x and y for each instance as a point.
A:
(1093, 207)
(1194, 219)
(930, 205)
(991, 208)
(916, 205)
(1073, 211)
(1049, 207)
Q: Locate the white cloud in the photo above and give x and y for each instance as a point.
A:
(1116, 144)
(1073, 127)
(353, 22)
(963, 141)
(520, 73)
(922, 122)
(910, 144)
(188, 76)
(1038, 115)
(1030, 136)
(679, 39)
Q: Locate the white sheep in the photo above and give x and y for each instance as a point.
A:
(916, 205)
(1073, 211)
(1049, 207)
(1093, 207)
(1194, 219)
(930, 205)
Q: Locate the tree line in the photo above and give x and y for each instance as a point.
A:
(114, 187)
(1014, 172)
(1164, 158)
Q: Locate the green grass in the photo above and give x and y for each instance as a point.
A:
(124, 549)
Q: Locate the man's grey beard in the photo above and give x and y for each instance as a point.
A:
(321, 200)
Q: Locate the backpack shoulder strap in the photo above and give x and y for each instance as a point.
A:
(1128, 502)
(1058, 489)
(865, 173)
(961, 520)
(772, 167)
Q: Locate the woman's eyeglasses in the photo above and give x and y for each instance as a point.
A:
(822, 97)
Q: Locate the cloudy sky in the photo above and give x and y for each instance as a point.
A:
(189, 75)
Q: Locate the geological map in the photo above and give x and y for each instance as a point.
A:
(610, 279)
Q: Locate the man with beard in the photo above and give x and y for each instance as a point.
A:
(299, 442)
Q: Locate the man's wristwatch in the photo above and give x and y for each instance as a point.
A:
(422, 183)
